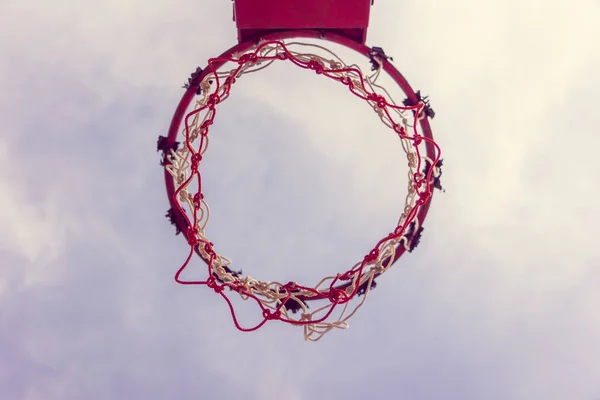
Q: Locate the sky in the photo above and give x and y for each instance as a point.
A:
(499, 301)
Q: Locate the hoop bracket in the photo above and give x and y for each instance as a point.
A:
(347, 18)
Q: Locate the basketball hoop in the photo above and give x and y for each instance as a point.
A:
(187, 142)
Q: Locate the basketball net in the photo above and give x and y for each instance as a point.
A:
(277, 300)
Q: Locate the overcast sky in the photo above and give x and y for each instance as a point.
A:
(499, 301)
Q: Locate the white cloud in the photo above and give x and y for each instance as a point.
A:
(31, 225)
(498, 301)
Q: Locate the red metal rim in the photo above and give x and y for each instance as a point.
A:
(184, 103)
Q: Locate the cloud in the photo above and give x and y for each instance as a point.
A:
(29, 228)
(497, 302)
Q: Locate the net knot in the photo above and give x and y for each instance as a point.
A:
(372, 256)
(347, 81)
(399, 129)
(192, 237)
(204, 126)
(379, 100)
(198, 197)
(208, 247)
(195, 159)
(212, 283)
(412, 160)
(236, 286)
(316, 66)
(399, 230)
(247, 58)
(346, 276)
(267, 314)
(423, 197)
(337, 296)
(230, 80)
(213, 100)
(418, 179)
(335, 64)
